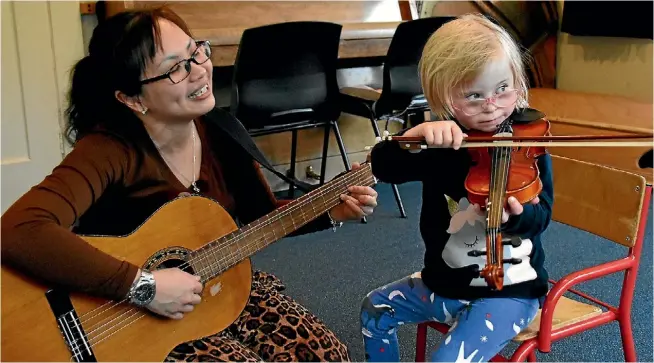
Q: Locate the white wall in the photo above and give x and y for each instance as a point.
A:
(40, 43)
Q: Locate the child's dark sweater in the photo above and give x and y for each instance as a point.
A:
(450, 227)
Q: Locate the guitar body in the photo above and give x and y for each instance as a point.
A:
(29, 328)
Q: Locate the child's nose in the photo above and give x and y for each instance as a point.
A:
(489, 106)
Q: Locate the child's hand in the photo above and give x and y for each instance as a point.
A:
(439, 133)
(515, 208)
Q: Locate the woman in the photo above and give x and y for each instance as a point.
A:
(140, 106)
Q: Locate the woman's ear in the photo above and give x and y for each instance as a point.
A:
(133, 102)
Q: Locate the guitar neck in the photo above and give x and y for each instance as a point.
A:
(218, 256)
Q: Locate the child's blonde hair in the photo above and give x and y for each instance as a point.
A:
(457, 52)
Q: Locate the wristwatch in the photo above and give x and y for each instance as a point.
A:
(143, 289)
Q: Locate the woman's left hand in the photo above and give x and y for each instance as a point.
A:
(361, 202)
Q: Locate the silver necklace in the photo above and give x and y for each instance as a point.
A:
(195, 187)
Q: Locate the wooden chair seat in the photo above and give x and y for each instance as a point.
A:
(567, 312)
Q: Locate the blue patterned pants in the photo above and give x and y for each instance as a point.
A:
(480, 328)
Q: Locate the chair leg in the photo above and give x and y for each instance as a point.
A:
(421, 342)
(628, 284)
(627, 334)
(291, 171)
(325, 149)
(525, 352)
(532, 356)
(341, 146)
(398, 200)
(396, 192)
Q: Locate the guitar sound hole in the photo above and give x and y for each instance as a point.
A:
(172, 263)
(170, 258)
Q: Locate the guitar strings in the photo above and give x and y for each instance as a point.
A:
(94, 339)
(253, 227)
(354, 175)
(140, 314)
(256, 228)
(231, 242)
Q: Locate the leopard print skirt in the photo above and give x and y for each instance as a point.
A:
(272, 327)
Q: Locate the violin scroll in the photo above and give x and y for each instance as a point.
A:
(494, 276)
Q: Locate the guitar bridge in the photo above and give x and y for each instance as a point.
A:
(70, 326)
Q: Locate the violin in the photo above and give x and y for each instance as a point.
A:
(505, 165)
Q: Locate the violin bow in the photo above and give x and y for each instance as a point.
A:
(409, 142)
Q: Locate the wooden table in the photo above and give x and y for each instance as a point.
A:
(576, 113)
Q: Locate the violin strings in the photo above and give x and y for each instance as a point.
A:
(496, 192)
(506, 159)
(499, 177)
(493, 190)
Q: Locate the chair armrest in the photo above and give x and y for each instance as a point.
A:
(564, 285)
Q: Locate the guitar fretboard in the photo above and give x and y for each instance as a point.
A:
(218, 256)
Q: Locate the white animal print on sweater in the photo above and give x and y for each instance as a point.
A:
(467, 231)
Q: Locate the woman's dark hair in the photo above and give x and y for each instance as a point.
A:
(120, 48)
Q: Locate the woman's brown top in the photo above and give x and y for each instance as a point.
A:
(106, 186)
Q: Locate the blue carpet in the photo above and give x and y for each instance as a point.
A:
(330, 273)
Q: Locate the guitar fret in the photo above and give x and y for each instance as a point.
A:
(206, 269)
(218, 264)
(225, 252)
(200, 264)
(198, 268)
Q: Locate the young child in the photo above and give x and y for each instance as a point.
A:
(473, 77)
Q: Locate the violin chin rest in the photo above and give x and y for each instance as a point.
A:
(526, 115)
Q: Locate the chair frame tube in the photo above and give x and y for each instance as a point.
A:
(622, 313)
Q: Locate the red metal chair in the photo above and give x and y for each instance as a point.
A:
(613, 206)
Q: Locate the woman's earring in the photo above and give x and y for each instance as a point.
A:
(144, 111)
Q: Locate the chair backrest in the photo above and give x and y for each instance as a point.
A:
(605, 201)
(401, 80)
(283, 67)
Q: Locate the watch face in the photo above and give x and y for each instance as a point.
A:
(144, 293)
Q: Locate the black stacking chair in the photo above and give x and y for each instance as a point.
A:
(401, 97)
(285, 80)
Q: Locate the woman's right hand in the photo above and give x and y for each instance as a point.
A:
(176, 292)
(438, 133)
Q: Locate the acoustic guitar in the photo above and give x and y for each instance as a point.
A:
(193, 233)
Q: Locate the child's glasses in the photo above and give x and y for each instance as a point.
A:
(475, 107)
